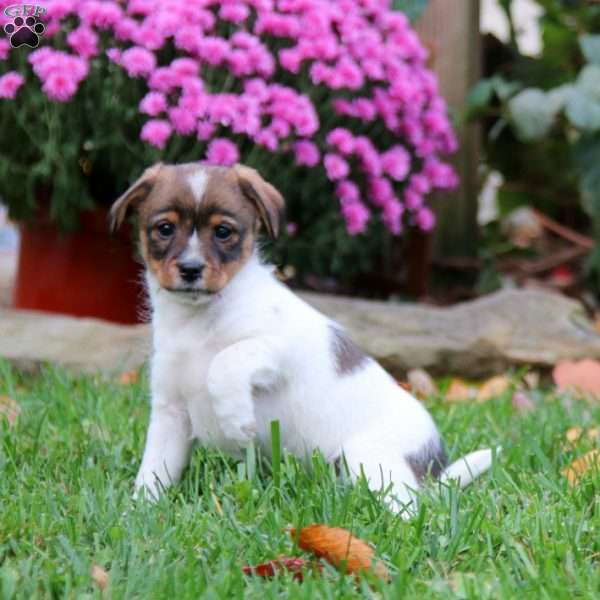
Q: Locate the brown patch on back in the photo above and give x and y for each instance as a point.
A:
(430, 460)
(347, 355)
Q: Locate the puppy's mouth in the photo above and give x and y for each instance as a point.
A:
(189, 291)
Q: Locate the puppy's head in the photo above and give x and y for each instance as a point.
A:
(198, 224)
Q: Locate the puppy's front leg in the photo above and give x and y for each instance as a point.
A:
(167, 452)
(231, 376)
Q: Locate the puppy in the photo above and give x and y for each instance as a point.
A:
(235, 349)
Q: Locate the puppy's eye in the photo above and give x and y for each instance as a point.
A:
(165, 229)
(223, 233)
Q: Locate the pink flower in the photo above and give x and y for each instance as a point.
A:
(234, 12)
(336, 167)
(138, 61)
(153, 103)
(164, 79)
(380, 190)
(4, 49)
(186, 67)
(60, 86)
(392, 215)
(183, 121)
(222, 152)
(412, 199)
(307, 154)
(425, 219)
(205, 130)
(396, 163)
(101, 14)
(83, 41)
(347, 191)
(10, 84)
(213, 50)
(114, 55)
(356, 216)
(156, 132)
(342, 140)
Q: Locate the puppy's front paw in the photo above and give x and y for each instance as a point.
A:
(239, 431)
(147, 487)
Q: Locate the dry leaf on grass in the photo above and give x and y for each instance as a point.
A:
(575, 434)
(9, 409)
(582, 465)
(100, 577)
(339, 547)
(582, 376)
(129, 377)
(461, 391)
(421, 383)
(496, 386)
(291, 564)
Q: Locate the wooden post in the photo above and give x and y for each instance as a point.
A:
(450, 29)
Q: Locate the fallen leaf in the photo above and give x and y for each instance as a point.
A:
(582, 376)
(521, 402)
(460, 391)
(100, 577)
(9, 409)
(496, 386)
(339, 547)
(580, 466)
(404, 385)
(421, 383)
(129, 377)
(291, 564)
(574, 434)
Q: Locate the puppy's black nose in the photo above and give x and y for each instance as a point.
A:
(190, 270)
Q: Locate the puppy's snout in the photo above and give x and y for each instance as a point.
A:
(190, 270)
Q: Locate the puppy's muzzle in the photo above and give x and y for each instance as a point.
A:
(190, 270)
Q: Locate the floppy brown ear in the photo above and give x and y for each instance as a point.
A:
(266, 199)
(131, 199)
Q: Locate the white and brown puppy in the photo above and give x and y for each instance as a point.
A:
(234, 349)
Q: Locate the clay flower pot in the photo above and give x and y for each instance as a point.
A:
(87, 273)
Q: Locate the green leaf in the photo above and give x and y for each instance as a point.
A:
(413, 9)
(589, 81)
(590, 46)
(531, 114)
(583, 112)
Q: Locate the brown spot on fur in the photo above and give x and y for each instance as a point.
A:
(430, 460)
(348, 356)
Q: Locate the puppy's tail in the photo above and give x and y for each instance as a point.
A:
(469, 467)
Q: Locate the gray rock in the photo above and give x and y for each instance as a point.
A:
(476, 338)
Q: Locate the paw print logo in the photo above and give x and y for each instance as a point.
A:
(24, 32)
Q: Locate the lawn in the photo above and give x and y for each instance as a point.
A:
(68, 464)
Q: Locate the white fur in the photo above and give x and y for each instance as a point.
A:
(197, 182)
(225, 366)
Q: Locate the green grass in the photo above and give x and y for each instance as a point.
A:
(67, 467)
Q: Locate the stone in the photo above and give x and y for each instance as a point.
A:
(472, 339)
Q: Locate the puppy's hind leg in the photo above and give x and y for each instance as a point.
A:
(383, 469)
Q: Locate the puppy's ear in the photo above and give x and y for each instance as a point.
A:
(133, 197)
(266, 199)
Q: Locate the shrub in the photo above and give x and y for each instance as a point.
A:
(543, 118)
(331, 101)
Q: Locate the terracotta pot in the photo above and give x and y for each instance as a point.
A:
(88, 273)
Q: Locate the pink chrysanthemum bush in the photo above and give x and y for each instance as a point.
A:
(331, 100)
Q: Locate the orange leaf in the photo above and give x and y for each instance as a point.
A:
(496, 386)
(460, 390)
(582, 376)
(9, 409)
(292, 564)
(574, 434)
(100, 577)
(129, 377)
(340, 548)
(580, 466)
